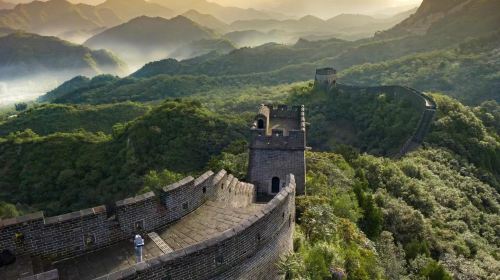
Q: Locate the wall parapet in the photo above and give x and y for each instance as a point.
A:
(182, 183)
(91, 229)
(224, 251)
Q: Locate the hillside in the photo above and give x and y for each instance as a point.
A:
(459, 17)
(202, 47)
(6, 5)
(98, 168)
(25, 54)
(475, 61)
(376, 120)
(145, 39)
(227, 14)
(254, 38)
(344, 26)
(5, 31)
(58, 17)
(130, 9)
(468, 72)
(48, 119)
(208, 21)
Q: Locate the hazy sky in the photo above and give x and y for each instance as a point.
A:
(300, 7)
(264, 3)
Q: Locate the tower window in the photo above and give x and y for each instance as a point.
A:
(260, 124)
(275, 186)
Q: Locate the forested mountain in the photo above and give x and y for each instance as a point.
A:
(202, 47)
(25, 54)
(130, 9)
(444, 17)
(254, 38)
(227, 14)
(49, 118)
(475, 61)
(145, 38)
(111, 166)
(6, 5)
(6, 31)
(467, 71)
(76, 21)
(344, 26)
(58, 17)
(207, 20)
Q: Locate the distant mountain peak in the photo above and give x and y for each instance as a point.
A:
(450, 17)
(311, 18)
(181, 18)
(4, 5)
(193, 12)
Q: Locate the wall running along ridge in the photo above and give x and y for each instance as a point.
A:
(418, 99)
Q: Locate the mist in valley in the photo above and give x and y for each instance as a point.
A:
(30, 87)
(152, 38)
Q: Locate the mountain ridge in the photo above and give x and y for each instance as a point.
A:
(56, 17)
(22, 54)
(130, 9)
(207, 20)
(6, 5)
(227, 14)
(144, 38)
(460, 17)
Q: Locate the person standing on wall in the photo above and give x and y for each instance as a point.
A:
(138, 243)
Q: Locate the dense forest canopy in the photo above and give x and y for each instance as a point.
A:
(110, 166)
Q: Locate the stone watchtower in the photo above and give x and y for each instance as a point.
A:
(277, 148)
(326, 78)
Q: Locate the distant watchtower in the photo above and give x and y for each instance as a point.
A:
(277, 148)
(326, 78)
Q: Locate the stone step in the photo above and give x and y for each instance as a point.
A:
(160, 243)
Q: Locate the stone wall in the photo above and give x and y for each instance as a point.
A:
(234, 193)
(88, 230)
(276, 155)
(268, 164)
(248, 250)
(296, 140)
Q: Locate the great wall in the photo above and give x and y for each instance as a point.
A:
(210, 227)
(418, 100)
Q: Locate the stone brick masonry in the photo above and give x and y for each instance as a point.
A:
(250, 246)
(277, 148)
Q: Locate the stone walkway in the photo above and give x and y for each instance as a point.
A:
(207, 221)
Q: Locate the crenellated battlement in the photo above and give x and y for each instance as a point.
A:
(254, 236)
(87, 230)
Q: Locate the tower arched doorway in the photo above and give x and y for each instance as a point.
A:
(260, 124)
(275, 185)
